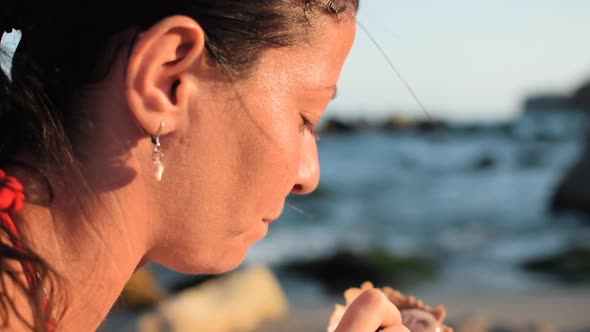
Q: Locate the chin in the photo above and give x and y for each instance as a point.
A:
(227, 267)
(222, 257)
(225, 262)
(200, 268)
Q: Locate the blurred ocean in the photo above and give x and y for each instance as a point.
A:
(475, 198)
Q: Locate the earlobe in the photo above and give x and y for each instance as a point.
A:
(159, 69)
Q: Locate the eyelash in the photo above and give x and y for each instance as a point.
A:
(307, 125)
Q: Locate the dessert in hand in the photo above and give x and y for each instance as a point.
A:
(416, 316)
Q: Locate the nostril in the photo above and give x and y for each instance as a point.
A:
(297, 189)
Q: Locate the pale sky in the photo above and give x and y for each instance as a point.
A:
(465, 59)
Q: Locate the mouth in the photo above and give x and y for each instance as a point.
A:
(273, 216)
(269, 220)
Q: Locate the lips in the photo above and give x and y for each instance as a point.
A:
(274, 215)
(269, 220)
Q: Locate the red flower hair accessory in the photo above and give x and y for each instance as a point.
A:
(12, 196)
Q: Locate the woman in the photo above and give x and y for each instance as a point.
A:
(165, 131)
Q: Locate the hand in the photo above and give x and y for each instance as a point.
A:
(371, 311)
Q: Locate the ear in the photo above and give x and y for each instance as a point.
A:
(158, 72)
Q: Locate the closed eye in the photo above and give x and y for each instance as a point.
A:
(310, 127)
(335, 94)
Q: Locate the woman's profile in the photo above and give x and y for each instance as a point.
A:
(164, 131)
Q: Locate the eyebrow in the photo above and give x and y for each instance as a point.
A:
(334, 89)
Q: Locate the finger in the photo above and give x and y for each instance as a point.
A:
(351, 294)
(398, 328)
(369, 311)
(337, 314)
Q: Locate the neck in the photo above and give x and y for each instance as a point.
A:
(95, 232)
(85, 239)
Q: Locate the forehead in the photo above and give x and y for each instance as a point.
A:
(315, 62)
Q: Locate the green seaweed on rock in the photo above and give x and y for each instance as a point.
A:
(346, 267)
(571, 265)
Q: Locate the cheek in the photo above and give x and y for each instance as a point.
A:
(279, 137)
(287, 148)
(276, 173)
(276, 164)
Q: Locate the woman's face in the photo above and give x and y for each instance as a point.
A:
(245, 149)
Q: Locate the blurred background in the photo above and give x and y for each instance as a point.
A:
(478, 199)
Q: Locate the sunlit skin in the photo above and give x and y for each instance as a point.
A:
(240, 148)
(233, 150)
(243, 147)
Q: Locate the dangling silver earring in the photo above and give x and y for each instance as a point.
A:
(157, 155)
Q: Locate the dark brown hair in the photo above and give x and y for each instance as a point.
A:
(67, 44)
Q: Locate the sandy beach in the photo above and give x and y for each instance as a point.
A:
(559, 310)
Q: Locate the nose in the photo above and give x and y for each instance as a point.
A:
(308, 172)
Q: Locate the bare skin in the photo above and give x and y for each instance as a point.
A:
(233, 151)
(371, 311)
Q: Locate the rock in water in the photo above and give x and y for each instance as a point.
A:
(238, 302)
(573, 193)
